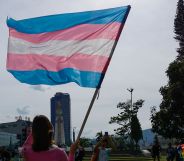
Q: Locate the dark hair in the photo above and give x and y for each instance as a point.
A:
(104, 141)
(42, 132)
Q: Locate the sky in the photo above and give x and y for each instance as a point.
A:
(143, 53)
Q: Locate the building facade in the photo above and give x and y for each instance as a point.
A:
(7, 139)
(61, 118)
(18, 129)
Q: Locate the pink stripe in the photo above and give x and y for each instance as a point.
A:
(55, 63)
(81, 32)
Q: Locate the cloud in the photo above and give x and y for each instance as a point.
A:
(88, 133)
(23, 111)
(39, 88)
(8, 116)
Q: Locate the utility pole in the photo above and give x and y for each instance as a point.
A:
(131, 105)
(74, 134)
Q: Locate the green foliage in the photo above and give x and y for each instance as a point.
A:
(179, 28)
(124, 117)
(120, 142)
(85, 142)
(156, 139)
(136, 130)
(99, 136)
(169, 121)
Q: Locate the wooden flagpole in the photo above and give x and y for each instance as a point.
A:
(104, 71)
(88, 112)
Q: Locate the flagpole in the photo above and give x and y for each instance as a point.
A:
(104, 71)
(88, 112)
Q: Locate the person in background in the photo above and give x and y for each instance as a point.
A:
(170, 152)
(79, 155)
(103, 148)
(156, 148)
(176, 155)
(180, 151)
(39, 145)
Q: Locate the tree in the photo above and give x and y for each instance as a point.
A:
(99, 136)
(179, 28)
(85, 142)
(124, 117)
(136, 130)
(120, 143)
(156, 139)
(169, 121)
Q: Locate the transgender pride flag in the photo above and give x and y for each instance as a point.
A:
(58, 49)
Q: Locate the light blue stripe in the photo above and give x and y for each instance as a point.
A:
(63, 21)
(82, 78)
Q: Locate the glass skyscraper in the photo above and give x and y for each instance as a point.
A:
(62, 119)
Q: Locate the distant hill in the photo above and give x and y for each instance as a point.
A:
(148, 137)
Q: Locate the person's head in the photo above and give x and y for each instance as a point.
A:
(42, 132)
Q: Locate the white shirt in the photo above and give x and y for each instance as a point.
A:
(103, 154)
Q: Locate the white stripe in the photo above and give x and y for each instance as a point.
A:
(61, 48)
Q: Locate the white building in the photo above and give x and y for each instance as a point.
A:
(59, 126)
(7, 139)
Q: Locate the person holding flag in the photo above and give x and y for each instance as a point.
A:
(39, 145)
(64, 48)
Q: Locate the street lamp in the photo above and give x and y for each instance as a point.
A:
(131, 91)
(74, 134)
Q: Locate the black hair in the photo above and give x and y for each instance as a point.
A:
(42, 133)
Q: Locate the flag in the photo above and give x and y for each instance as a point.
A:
(63, 48)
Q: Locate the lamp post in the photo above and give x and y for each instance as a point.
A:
(131, 104)
(74, 134)
(131, 91)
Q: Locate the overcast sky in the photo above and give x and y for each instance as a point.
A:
(144, 51)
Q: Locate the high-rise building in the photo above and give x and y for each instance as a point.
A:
(61, 118)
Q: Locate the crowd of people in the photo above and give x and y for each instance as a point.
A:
(172, 153)
(39, 146)
(176, 152)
